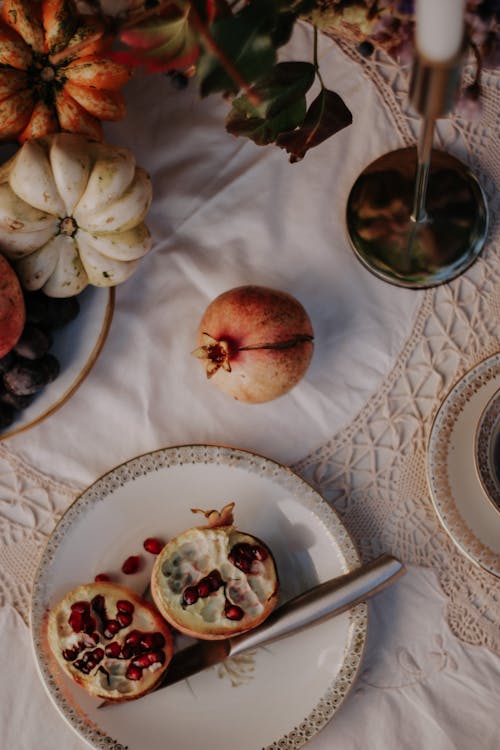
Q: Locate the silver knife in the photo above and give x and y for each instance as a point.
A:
(315, 605)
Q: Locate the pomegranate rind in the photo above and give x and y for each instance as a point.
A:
(249, 316)
(12, 308)
(145, 619)
(193, 555)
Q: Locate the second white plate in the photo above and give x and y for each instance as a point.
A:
(278, 696)
(458, 495)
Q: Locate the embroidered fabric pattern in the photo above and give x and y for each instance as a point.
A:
(374, 470)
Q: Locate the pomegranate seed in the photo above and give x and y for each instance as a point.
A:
(131, 565)
(102, 577)
(142, 661)
(133, 672)
(112, 628)
(76, 621)
(243, 563)
(233, 612)
(190, 595)
(214, 580)
(259, 553)
(122, 605)
(153, 545)
(81, 607)
(128, 651)
(204, 588)
(156, 657)
(113, 650)
(70, 654)
(97, 655)
(133, 638)
(147, 642)
(124, 618)
(82, 666)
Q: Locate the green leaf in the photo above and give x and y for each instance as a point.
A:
(245, 40)
(264, 130)
(281, 107)
(327, 115)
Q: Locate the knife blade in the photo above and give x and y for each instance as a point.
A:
(315, 605)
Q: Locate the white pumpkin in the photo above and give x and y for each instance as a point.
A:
(71, 214)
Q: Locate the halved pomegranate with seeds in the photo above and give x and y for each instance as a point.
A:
(109, 640)
(214, 581)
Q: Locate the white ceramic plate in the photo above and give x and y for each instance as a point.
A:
(276, 697)
(76, 346)
(460, 500)
(487, 445)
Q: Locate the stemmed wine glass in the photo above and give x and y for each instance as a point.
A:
(418, 217)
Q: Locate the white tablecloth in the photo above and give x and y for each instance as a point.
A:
(227, 213)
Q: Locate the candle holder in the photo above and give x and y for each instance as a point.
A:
(417, 217)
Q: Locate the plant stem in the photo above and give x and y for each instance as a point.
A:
(315, 57)
(211, 45)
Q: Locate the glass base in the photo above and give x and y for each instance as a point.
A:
(409, 253)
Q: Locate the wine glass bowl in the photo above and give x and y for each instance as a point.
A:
(401, 249)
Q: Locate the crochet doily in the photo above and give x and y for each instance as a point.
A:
(374, 471)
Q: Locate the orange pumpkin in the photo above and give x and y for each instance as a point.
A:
(54, 74)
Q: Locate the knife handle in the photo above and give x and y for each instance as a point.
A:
(324, 600)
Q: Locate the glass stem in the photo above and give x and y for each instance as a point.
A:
(424, 148)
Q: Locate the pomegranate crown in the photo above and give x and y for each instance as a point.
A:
(215, 353)
(216, 518)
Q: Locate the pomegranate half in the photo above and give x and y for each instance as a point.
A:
(12, 309)
(109, 640)
(214, 581)
(256, 343)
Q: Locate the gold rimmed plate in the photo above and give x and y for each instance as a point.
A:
(487, 452)
(278, 696)
(459, 496)
(76, 347)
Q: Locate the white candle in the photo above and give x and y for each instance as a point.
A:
(439, 28)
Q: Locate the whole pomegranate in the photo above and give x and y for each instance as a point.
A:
(12, 309)
(256, 343)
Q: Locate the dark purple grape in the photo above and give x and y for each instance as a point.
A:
(16, 402)
(34, 342)
(38, 309)
(30, 366)
(26, 377)
(64, 311)
(48, 312)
